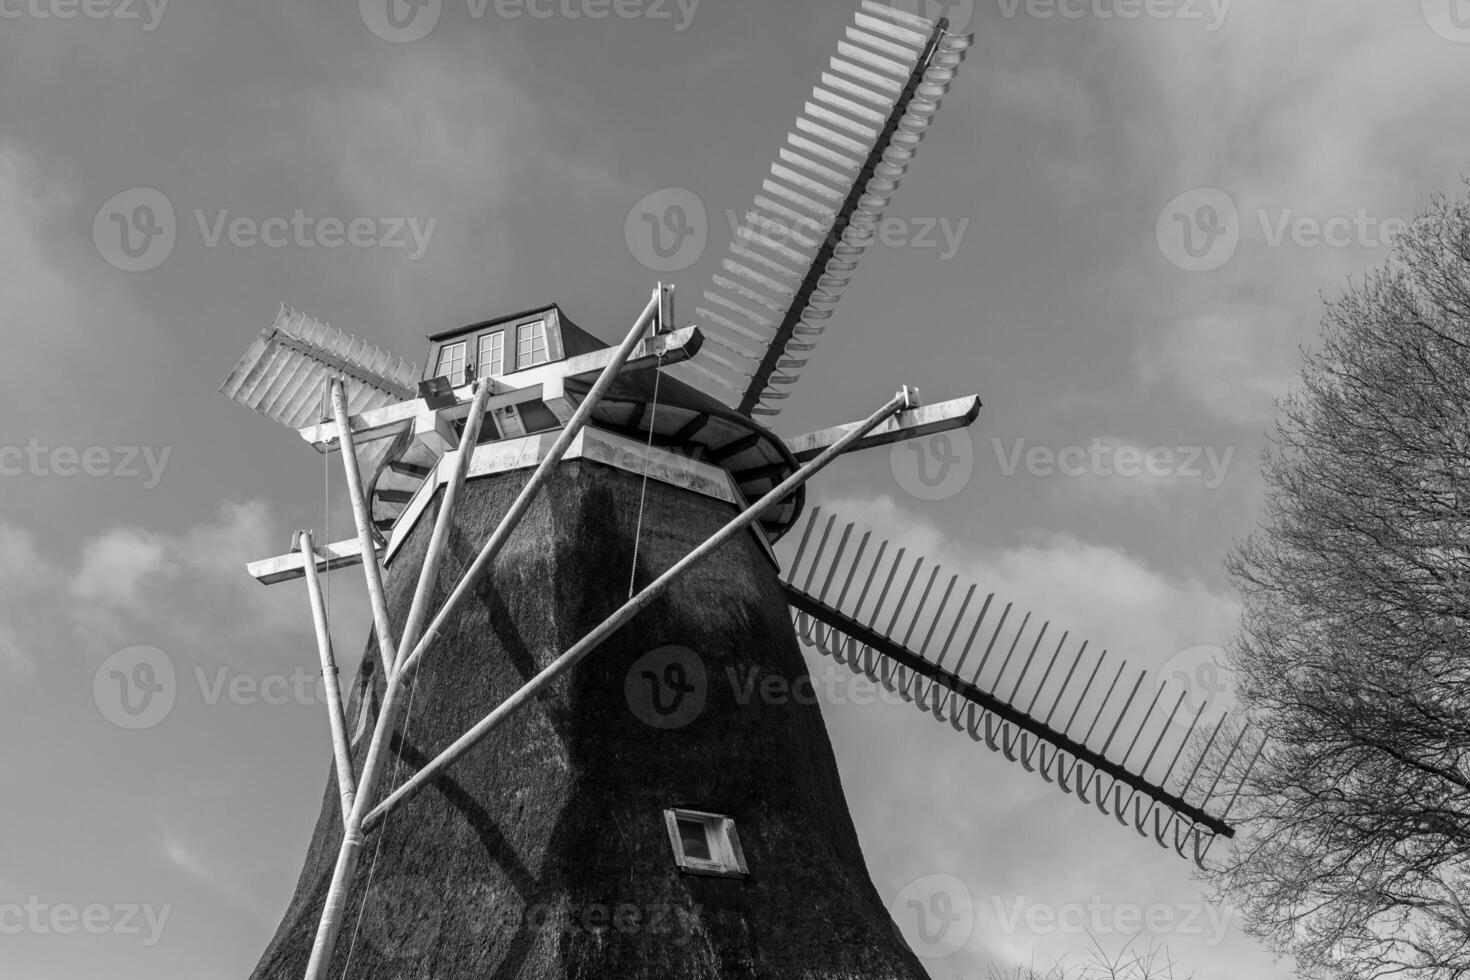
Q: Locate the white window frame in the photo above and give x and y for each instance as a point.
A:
(727, 858)
(485, 362)
(455, 351)
(527, 358)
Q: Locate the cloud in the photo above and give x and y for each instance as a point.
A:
(14, 660)
(1233, 363)
(114, 566)
(21, 565)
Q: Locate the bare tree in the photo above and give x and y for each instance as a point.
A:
(1354, 649)
(1127, 963)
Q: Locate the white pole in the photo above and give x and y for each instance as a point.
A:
(429, 574)
(371, 570)
(340, 751)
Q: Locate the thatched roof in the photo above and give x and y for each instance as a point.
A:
(544, 853)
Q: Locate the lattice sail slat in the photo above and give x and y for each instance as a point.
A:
(1060, 712)
(818, 211)
(285, 371)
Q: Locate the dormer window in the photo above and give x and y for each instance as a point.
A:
(531, 344)
(705, 843)
(451, 362)
(492, 353)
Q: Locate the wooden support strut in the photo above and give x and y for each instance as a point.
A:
(372, 571)
(334, 907)
(585, 646)
(341, 754)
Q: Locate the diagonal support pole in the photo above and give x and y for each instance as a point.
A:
(334, 907)
(373, 765)
(371, 569)
(631, 608)
(340, 752)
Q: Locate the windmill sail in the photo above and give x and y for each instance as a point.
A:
(284, 372)
(1054, 708)
(817, 213)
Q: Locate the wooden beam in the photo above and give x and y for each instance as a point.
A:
(912, 424)
(283, 568)
(545, 382)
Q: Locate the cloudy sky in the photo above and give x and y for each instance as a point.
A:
(1119, 233)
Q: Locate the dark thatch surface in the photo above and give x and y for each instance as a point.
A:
(544, 853)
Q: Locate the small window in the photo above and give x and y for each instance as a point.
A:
(492, 353)
(705, 843)
(451, 362)
(531, 344)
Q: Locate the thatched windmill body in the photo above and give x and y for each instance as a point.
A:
(541, 769)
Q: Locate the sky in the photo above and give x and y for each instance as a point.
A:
(1119, 233)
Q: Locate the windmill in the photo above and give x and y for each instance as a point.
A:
(536, 772)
